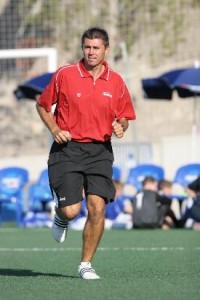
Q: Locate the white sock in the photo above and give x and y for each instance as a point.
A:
(85, 264)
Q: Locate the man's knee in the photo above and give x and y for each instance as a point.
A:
(96, 206)
(69, 212)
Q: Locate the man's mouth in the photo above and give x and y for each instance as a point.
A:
(91, 58)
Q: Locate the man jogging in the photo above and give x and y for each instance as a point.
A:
(92, 102)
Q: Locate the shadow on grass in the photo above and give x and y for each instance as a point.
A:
(27, 273)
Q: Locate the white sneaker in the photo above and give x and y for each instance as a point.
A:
(86, 272)
(59, 229)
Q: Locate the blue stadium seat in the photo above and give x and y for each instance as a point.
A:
(186, 174)
(137, 174)
(12, 193)
(40, 193)
(116, 173)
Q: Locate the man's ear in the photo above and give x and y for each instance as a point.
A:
(107, 49)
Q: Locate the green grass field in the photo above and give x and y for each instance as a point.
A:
(146, 264)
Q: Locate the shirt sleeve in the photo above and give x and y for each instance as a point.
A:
(124, 107)
(50, 94)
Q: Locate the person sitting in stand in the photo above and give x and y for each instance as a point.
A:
(150, 209)
(119, 213)
(191, 215)
(165, 188)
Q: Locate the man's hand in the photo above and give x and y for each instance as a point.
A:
(61, 136)
(118, 129)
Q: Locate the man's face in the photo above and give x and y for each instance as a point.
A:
(94, 52)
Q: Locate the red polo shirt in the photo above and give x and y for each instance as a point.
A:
(84, 107)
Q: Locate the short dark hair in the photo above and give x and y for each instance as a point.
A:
(164, 183)
(95, 33)
(148, 179)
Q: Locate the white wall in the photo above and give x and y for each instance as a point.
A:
(34, 164)
(175, 151)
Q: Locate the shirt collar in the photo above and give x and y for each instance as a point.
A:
(85, 73)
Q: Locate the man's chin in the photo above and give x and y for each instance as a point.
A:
(92, 63)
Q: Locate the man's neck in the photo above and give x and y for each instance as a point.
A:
(95, 71)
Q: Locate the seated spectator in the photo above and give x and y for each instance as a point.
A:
(150, 209)
(191, 216)
(119, 213)
(165, 188)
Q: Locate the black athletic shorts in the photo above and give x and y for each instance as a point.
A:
(74, 167)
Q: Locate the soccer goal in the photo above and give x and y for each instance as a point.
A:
(16, 67)
(19, 65)
(49, 53)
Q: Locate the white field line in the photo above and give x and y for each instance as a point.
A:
(7, 229)
(37, 249)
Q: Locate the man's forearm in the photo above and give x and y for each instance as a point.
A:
(47, 118)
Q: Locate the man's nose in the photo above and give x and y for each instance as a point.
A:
(91, 51)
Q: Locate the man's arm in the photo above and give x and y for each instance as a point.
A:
(60, 136)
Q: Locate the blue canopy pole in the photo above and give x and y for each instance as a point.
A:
(194, 131)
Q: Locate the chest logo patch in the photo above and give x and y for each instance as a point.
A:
(78, 95)
(107, 94)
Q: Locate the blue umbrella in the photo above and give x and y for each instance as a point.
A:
(157, 89)
(32, 88)
(185, 81)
